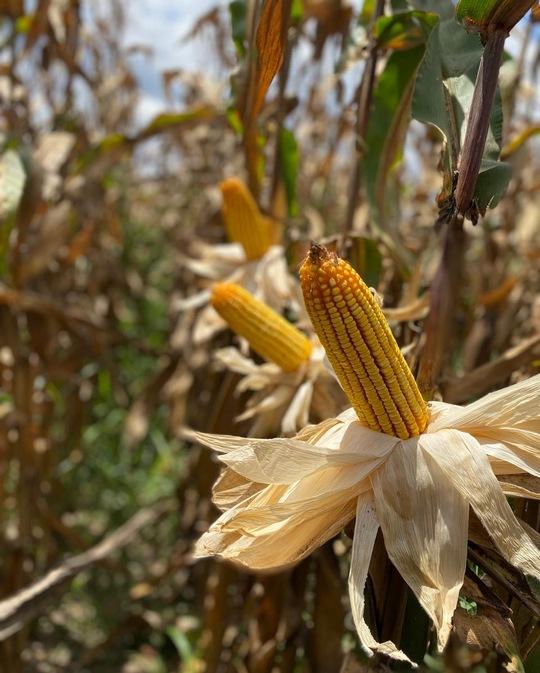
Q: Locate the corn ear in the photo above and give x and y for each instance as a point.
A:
(268, 334)
(244, 222)
(361, 347)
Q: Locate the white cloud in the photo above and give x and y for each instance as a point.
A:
(162, 25)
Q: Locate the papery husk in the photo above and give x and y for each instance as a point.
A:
(288, 460)
(365, 532)
(283, 402)
(311, 492)
(284, 497)
(267, 401)
(424, 521)
(297, 414)
(231, 488)
(506, 423)
(254, 376)
(275, 545)
(513, 407)
(463, 460)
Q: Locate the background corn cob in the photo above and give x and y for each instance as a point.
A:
(361, 346)
(268, 334)
(244, 222)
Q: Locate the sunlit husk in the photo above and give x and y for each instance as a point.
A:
(284, 497)
(424, 520)
(283, 402)
(365, 532)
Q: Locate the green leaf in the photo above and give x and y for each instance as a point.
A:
(390, 112)
(364, 256)
(233, 117)
(366, 13)
(112, 141)
(480, 14)
(297, 11)
(24, 23)
(442, 98)
(444, 8)
(389, 120)
(404, 30)
(289, 160)
(181, 642)
(534, 585)
(388, 123)
(238, 12)
(167, 121)
(491, 183)
(468, 604)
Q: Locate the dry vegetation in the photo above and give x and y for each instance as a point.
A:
(105, 228)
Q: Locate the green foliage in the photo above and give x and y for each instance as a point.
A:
(289, 160)
(404, 30)
(365, 256)
(430, 75)
(238, 10)
(442, 98)
(467, 604)
(165, 121)
(112, 477)
(390, 113)
(499, 13)
(366, 13)
(187, 650)
(476, 11)
(297, 10)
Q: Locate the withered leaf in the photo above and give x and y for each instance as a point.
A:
(270, 40)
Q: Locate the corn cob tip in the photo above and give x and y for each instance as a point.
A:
(222, 292)
(231, 185)
(318, 253)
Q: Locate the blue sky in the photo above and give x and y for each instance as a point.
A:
(162, 25)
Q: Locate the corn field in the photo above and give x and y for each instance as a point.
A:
(269, 336)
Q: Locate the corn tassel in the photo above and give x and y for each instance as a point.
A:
(361, 347)
(268, 334)
(244, 222)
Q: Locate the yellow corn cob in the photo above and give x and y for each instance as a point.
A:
(360, 346)
(244, 222)
(268, 334)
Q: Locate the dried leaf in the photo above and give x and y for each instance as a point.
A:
(494, 373)
(490, 628)
(499, 294)
(461, 458)
(365, 533)
(12, 180)
(518, 141)
(424, 523)
(270, 40)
